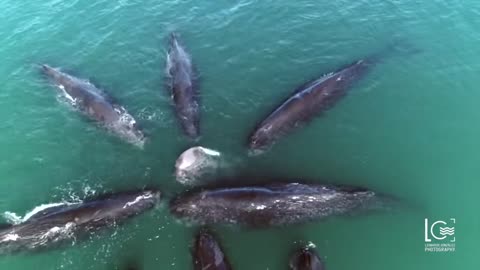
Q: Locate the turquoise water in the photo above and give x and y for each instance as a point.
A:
(410, 128)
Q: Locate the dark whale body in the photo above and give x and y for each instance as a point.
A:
(271, 205)
(208, 254)
(62, 223)
(306, 259)
(182, 86)
(96, 105)
(307, 102)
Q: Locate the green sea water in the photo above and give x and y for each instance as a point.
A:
(410, 128)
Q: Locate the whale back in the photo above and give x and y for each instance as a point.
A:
(4, 226)
(271, 205)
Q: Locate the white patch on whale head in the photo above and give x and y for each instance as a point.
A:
(194, 162)
(187, 159)
(209, 151)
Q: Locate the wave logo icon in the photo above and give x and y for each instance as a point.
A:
(436, 231)
(447, 230)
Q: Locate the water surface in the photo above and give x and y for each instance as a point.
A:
(409, 129)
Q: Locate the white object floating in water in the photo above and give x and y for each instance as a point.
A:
(194, 162)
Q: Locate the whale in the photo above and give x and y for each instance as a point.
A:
(58, 224)
(208, 254)
(308, 101)
(274, 204)
(181, 81)
(96, 105)
(306, 258)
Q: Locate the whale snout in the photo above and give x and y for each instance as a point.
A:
(52, 73)
(306, 258)
(48, 70)
(258, 141)
(127, 128)
(173, 37)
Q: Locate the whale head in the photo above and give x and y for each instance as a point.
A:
(127, 127)
(52, 73)
(259, 140)
(208, 254)
(306, 259)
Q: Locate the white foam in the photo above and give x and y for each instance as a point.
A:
(12, 217)
(169, 65)
(54, 231)
(66, 94)
(41, 208)
(137, 199)
(10, 237)
(17, 219)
